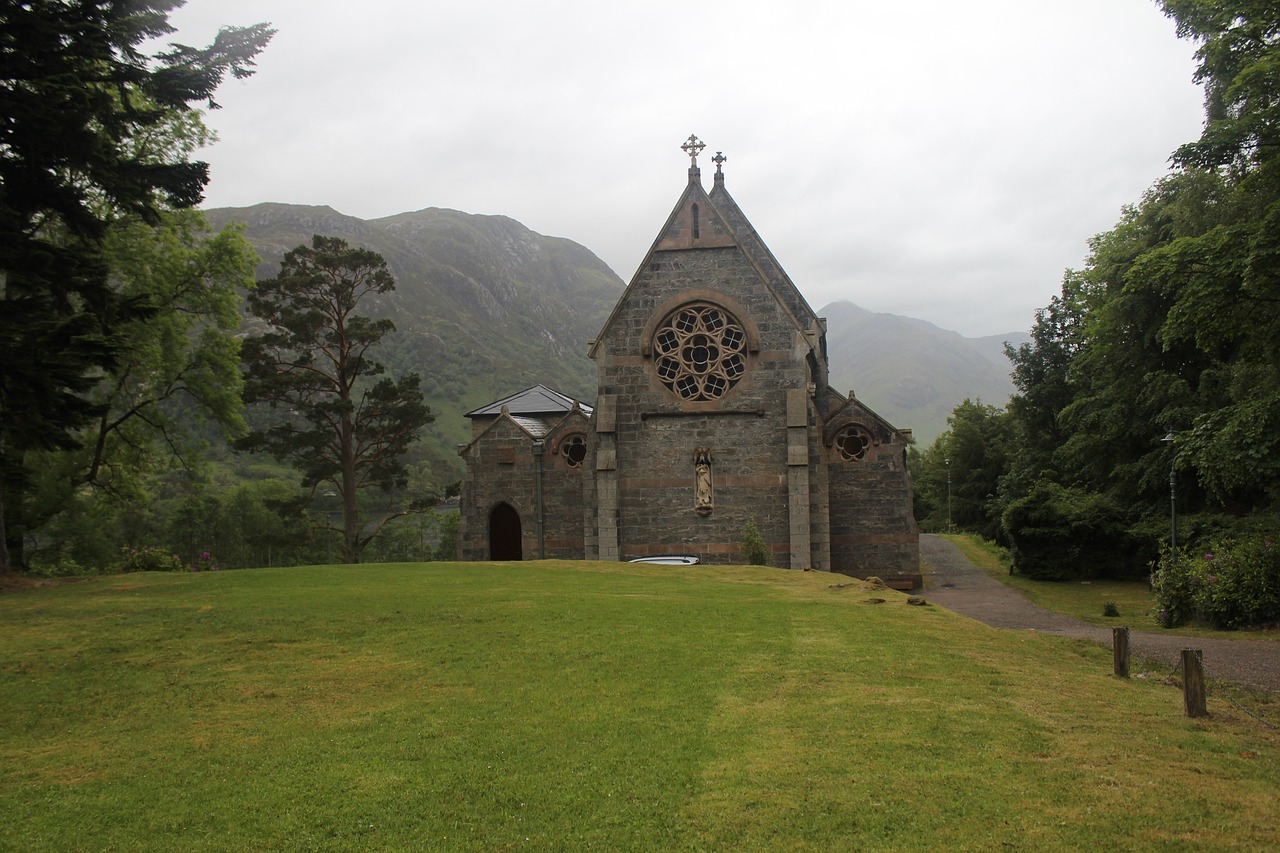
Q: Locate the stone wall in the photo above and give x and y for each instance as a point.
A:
(499, 470)
(873, 532)
(657, 434)
(562, 494)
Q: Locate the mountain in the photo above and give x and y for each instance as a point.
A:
(483, 306)
(912, 372)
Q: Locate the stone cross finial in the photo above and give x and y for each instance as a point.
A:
(719, 160)
(693, 147)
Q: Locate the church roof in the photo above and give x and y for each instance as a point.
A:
(723, 225)
(529, 403)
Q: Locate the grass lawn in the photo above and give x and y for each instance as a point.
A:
(575, 706)
(1085, 600)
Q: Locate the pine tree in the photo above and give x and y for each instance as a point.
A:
(335, 421)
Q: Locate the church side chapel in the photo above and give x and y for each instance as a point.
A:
(712, 411)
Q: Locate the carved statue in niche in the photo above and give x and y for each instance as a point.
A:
(702, 503)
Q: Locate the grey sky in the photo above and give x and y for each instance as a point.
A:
(937, 159)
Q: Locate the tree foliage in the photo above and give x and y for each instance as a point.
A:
(1172, 324)
(175, 381)
(333, 417)
(78, 95)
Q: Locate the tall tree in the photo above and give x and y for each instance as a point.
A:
(76, 91)
(1224, 282)
(312, 367)
(1177, 326)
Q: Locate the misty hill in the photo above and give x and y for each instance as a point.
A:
(912, 372)
(483, 306)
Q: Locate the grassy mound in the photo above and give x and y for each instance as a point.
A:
(557, 705)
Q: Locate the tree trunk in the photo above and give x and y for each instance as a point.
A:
(14, 483)
(350, 506)
(5, 567)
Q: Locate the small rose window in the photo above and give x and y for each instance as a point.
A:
(699, 352)
(853, 443)
(574, 450)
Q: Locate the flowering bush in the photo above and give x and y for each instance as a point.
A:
(204, 563)
(1230, 584)
(149, 558)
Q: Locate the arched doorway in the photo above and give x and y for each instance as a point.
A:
(504, 533)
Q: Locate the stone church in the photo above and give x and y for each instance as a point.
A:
(712, 410)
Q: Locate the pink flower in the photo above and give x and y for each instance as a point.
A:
(1208, 556)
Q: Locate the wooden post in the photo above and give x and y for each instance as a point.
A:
(1120, 651)
(1193, 683)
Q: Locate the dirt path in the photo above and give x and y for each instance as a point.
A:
(953, 582)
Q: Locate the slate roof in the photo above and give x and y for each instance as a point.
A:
(538, 400)
(536, 427)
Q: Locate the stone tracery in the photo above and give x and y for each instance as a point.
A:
(699, 352)
(853, 442)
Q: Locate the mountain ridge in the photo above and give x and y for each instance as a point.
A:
(484, 307)
(911, 371)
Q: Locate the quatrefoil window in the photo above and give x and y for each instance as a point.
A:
(699, 352)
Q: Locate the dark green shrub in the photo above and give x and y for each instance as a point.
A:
(63, 568)
(1057, 532)
(754, 550)
(1110, 609)
(447, 547)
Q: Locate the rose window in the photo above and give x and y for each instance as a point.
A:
(699, 352)
(853, 443)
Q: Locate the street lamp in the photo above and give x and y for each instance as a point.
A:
(948, 461)
(1173, 499)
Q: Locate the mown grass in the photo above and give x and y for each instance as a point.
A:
(1086, 600)
(558, 705)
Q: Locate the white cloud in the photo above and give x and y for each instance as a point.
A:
(941, 160)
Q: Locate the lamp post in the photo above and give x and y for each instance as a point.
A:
(948, 461)
(1173, 498)
(330, 513)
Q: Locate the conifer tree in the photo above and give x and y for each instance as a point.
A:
(338, 425)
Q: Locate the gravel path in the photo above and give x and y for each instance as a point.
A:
(953, 582)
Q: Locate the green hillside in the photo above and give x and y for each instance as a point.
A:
(483, 306)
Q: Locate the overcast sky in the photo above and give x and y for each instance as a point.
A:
(939, 159)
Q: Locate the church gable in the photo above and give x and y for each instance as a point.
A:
(695, 224)
(838, 412)
(700, 254)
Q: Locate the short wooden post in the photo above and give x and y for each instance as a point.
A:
(1193, 683)
(1120, 651)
